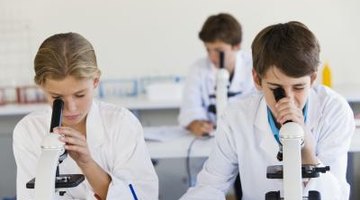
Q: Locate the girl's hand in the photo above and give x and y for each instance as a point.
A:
(75, 144)
(77, 147)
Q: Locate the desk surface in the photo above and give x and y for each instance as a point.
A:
(143, 103)
(140, 103)
(178, 147)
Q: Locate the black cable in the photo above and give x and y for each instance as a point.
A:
(188, 157)
(187, 162)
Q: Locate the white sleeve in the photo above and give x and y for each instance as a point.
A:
(26, 156)
(192, 106)
(132, 165)
(120, 189)
(327, 185)
(332, 148)
(219, 171)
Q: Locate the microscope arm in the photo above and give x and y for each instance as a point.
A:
(222, 83)
(292, 137)
(51, 150)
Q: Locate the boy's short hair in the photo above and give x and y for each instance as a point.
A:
(221, 27)
(291, 47)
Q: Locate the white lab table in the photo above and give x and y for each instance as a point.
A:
(173, 147)
(20, 109)
(132, 103)
(150, 113)
(178, 146)
(143, 103)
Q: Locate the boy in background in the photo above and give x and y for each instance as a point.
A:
(220, 33)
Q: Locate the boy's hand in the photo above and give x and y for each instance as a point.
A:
(200, 127)
(287, 110)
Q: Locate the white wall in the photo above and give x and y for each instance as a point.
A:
(142, 37)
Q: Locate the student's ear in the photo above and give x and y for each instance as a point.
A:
(313, 77)
(96, 80)
(257, 80)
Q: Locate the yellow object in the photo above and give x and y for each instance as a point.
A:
(326, 75)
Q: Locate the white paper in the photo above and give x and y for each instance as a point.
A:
(164, 133)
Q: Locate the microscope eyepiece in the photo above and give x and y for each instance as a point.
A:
(56, 116)
(279, 93)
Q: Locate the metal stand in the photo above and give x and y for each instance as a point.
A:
(292, 171)
(222, 84)
(48, 182)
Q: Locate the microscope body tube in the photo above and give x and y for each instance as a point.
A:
(51, 149)
(291, 137)
(222, 83)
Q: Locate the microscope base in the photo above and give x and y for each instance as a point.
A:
(275, 195)
(307, 171)
(62, 181)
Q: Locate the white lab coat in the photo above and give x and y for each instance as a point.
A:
(201, 82)
(245, 143)
(116, 143)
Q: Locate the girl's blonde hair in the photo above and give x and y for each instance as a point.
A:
(62, 55)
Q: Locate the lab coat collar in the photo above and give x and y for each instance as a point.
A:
(263, 133)
(314, 113)
(263, 129)
(239, 76)
(210, 76)
(212, 71)
(95, 132)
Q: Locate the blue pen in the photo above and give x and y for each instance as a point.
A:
(133, 192)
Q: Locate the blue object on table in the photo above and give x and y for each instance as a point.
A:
(133, 192)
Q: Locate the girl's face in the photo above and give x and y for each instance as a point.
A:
(77, 95)
(213, 50)
(295, 88)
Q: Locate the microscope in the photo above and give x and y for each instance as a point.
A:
(292, 171)
(221, 90)
(48, 182)
(222, 84)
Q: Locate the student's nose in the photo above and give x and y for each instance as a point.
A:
(289, 93)
(214, 57)
(70, 105)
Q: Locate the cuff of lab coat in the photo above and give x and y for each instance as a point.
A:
(326, 184)
(119, 189)
(203, 192)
